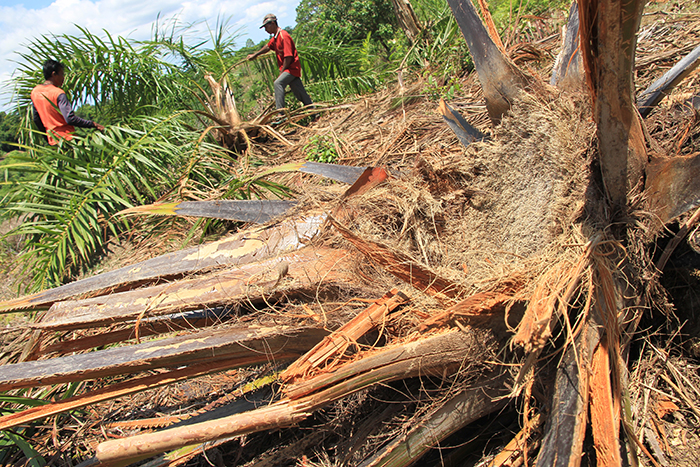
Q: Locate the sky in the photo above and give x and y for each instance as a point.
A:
(23, 20)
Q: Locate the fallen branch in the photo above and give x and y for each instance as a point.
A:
(188, 321)
(112, 392)
(682, 232)
(651, 96)
(673, 186)
(432, 354)
(567, 72)
(125, 451)
(466, 134)
(480, 399)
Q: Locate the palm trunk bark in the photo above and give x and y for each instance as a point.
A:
(408, 20)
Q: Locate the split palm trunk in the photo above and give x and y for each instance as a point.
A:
(591, 377)
(582, 306)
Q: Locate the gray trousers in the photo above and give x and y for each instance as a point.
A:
(287, 79)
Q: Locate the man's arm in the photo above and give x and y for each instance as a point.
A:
(264, 49)
(37, 119)
(70, 117)
(286, 64)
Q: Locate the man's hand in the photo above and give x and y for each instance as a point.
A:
(264, 49)
(99, 127)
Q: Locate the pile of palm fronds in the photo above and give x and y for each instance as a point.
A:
(449, 306)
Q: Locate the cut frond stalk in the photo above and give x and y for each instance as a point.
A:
(478, 400)
(251, 345)
(305, 269)
(242, 248)
(256, 211)
(111, 392)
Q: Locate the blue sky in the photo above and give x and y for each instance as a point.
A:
(23, 20)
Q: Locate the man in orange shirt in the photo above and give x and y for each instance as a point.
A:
(52, 112)
(287, 60)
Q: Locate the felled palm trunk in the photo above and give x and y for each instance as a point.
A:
(590, 296)
(606, 42)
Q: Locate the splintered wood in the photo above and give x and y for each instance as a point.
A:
(337, 343)
(605, 416)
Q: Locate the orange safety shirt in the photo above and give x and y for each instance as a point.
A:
(45, 99)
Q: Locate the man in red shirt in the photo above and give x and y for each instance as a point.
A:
(52, 112)
(287, 60)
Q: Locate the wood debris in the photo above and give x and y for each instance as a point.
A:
(514, 286)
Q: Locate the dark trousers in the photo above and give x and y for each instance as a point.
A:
(287, 79)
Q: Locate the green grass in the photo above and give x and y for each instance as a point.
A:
(321, 149)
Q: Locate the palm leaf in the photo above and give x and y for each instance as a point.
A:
(34, 458)
(125, 77)
(69, 206)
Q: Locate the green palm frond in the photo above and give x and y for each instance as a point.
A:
(213, 54)
(431, 11)
(68, 205)
(442, 46)
(336, 71)
(124, 77)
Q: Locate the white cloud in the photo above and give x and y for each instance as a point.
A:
(128, 18)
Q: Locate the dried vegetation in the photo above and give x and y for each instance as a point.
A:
(418, 318)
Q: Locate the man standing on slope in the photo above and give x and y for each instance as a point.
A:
(287, 60)
(53, 113)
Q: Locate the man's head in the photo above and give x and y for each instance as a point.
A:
(270, 23)
(54, 72)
